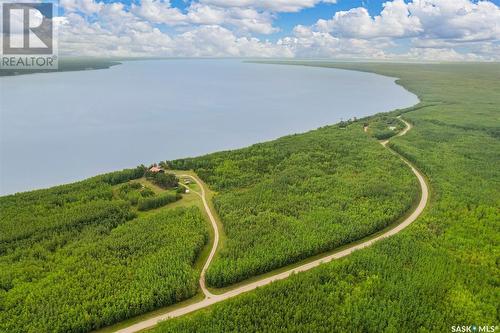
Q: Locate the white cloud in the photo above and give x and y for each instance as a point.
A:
(243, 19)
(133, 37)
(435, 29)
(308, 43)
(118, 33)
(85, 6)
(272, 5)
(394, 21)
(418, 30)
(204, 14)
(218, 41)
(458, 20)
(438, 54)
(158, 11)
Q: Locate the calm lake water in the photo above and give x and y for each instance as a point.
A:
(61, 127)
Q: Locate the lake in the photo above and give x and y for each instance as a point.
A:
(62, 127)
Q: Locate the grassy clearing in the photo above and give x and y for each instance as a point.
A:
(383, 127)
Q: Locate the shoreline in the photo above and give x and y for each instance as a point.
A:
(279, 134)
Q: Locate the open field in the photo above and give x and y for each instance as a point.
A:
(442, 270)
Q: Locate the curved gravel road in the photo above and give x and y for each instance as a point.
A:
(215, 244)
(211, 298)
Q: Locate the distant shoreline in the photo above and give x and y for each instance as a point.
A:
(73, 64)
(68, 65)
(85, 104)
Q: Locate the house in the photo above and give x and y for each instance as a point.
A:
(156, 169)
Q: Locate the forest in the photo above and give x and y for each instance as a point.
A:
(162, 179)
(443, 269)
(295, 197)
(77, 257)
(158, 201)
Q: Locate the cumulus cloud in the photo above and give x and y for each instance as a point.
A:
(217, 41)
(272, 5)
(121, 34)
(439, 54)
(306, 42)
(435, 29)
(85, 6)
(415, 30)
(244, 19)
(158, 11)
(395, 20)
(456, 20)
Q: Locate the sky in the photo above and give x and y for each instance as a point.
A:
(411, 30)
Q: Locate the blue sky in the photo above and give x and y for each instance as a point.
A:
(308, 16)
(323, 10)
(378, 29)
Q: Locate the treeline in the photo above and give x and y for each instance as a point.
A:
(162, 179)
(61, 208)
(74, 258)
(441, 271)
(300, 195)
(119, 177)
(157, 201)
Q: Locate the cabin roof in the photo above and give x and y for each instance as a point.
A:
(155, 169)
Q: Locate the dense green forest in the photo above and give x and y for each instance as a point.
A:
(77, 257)
(162, 179)
(81, 256)
(157, 201)
(300, 195)
(441, 271)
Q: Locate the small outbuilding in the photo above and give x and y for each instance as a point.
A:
(156, 169)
